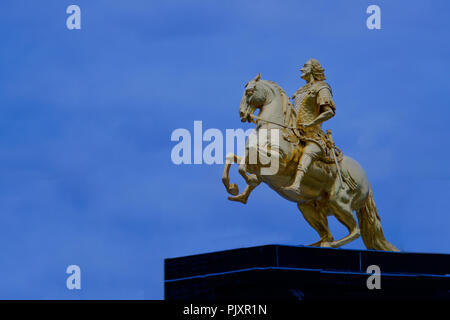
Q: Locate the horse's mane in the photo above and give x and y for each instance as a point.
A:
(290, 115)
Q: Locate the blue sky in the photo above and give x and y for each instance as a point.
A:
(86, 119)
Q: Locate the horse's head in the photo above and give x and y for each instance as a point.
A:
(272, 101)
(254, 97)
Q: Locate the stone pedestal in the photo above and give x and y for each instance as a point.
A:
(279, 272)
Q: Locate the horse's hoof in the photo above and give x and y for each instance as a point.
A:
(315, 244)
(326, 244)
(239, 198)
(234, 189)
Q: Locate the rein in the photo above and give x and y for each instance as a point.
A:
(269, 121)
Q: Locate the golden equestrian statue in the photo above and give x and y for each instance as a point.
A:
(311, 170)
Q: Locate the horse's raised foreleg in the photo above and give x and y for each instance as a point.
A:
(231, 158)
(243, 197)
(251, 179)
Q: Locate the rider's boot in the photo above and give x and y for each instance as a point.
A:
(302, 168)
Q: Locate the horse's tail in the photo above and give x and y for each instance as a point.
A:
(370, 226)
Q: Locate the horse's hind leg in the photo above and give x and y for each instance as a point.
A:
(318, 220)
(344, 214)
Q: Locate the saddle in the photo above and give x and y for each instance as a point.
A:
(330, 153)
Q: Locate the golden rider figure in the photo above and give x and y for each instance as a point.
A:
(314, 105)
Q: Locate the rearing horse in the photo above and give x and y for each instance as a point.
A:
(323, 192)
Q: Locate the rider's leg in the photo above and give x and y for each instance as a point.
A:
(310, 153)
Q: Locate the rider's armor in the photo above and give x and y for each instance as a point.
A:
(308, 102)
